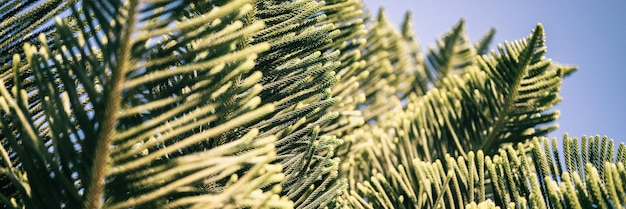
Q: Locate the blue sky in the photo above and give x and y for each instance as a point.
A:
(588, 34)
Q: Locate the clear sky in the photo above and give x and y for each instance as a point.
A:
(588, 34)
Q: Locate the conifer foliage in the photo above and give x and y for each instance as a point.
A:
(280, 104)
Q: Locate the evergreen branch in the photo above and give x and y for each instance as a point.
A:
(511, 179)
(114, 87)
(482, 46)
(280, 104)
(533, 48)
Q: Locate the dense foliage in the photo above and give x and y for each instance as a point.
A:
(280, 104)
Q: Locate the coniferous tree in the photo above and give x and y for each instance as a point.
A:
(280, 104)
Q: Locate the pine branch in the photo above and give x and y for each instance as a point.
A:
(511, 181)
